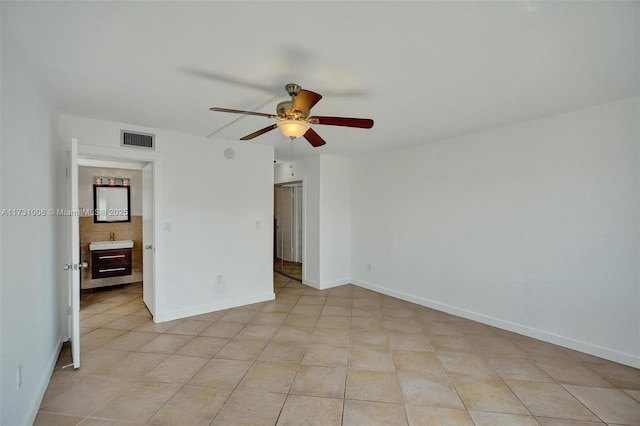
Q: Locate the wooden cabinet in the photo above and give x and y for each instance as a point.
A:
(110, 263)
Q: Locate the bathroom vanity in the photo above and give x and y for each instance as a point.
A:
(110, 258)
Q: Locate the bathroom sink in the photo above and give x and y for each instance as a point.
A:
(109, 245)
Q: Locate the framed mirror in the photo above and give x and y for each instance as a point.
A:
(111, 204)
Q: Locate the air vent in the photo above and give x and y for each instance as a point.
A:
(137, 140)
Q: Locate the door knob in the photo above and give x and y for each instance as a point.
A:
(83, 265)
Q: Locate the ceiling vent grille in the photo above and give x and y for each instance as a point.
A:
(137, 139)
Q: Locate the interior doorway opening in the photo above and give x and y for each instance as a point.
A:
(288, 230)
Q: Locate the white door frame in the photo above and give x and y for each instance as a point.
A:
(132, 154)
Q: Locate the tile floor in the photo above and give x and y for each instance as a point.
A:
(341, 356)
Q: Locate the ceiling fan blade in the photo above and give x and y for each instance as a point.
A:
(305, 100)
(259, 132)
(239, 111)
(363, 123)
(314, 138)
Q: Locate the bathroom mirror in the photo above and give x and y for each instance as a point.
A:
(111, 204)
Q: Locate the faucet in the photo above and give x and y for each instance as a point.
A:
(111, 236)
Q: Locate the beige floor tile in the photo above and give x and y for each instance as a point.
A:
(326, 355)
(334, 321)
(129, 341)
(310, 410)
(203, 346)
(466, 364)
(269, 377)
(98, 338)
(482, 394)
(635, 394)
(98, 359)
(418, 342)
(250, 408)
(518, 369)
(221, 373)
(572, 373)
(367, 413)
(257, 331)
(223, 329)
(335, 300)
(301, 320)
(548, 421)
(495, 346)
(191, 405)
(450, 343)
(269, 318)
(86, 396)
(363, 323)
(128, 322)
(610, 405)
(402, 325)
(366, 337)
(306, 309)
(420, 362)
(369, 385)
(332, 310)
(329, 336)
(304, 342)
(314, 380)
(99, 320)
(242, 349)
(428, 416)
(440, 328)
(238, 316)
(432, 391)
(137, 403)
(481, 418)
(160, 327)
(296, 335)
(312, 300)
(133, 365)
(371, 358)
(358, 311)
(189, 327)
(550, 400)
(50, 419)
(619, 375)
(283, 352)
(165, 344)
(175, 369)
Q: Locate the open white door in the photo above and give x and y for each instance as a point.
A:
(148, 252)
(74, 265)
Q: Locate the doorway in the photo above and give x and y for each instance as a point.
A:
(150, 165)
(288, 230)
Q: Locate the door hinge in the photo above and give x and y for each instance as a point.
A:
(66, 172)
(68, 310)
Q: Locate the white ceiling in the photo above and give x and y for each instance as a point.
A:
(424, 71)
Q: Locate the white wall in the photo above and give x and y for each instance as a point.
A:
(335, 221)
(30, 335)
(86, 177)
(531, 227)
(327, 217)
(220, 214)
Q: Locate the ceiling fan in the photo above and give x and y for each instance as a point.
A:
(293, 118)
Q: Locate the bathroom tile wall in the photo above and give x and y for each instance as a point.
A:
(90, 232)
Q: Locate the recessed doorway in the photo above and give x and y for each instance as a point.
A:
(288, 230)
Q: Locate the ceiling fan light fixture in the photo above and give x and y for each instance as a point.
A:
(293, 128)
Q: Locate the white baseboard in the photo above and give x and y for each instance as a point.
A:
(567, 342)
(205, 309)
(327, 285)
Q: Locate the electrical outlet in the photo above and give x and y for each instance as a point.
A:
(19, 377)
(220, 281)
